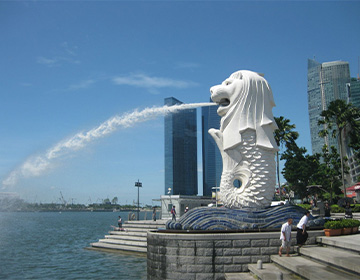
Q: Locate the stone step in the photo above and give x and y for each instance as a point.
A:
(136, 229)
(144, 226)
(148, 222)
(124, 242)
(344, 259)
(129, 233)
(310, 269)
(239, 276)
(101, 245)
(349, 242)
(271, 271)
(132, 238)
(126, 237)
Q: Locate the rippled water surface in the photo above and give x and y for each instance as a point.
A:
(52, 245)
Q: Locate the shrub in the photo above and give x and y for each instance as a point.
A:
(356, 208)
(333, 225)
(305, 206)
(348, 223)
(337, 209)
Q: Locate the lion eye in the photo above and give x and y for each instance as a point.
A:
(227, 83)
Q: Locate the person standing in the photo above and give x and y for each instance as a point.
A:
(120, 222)
(173, 213)
(348, 212)
(327, 211)
(302, 235)
(154, 214)
(285, 237)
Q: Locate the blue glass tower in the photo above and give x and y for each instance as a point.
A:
(181, 151)
(211, 157)
(354, 92)
(326, 82)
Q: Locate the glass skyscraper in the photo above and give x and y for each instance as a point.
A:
(211, 157)
(326, 82)
(181, 151)
(354, 92)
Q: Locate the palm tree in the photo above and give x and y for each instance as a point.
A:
(284, 135)
(341, 120)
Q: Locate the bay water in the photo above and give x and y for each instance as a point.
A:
(52, 245)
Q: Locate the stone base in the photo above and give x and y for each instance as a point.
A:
(209, 255)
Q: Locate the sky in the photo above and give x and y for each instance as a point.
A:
(72, 74)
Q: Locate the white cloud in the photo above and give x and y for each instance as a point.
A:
(82, 84)
(144, 81)
(51, 62)
(67, 54)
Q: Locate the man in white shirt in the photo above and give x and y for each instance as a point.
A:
(302, 235)
(285, 237)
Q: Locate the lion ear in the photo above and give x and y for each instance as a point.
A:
(261, 74)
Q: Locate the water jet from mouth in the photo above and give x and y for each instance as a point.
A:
(38, 165)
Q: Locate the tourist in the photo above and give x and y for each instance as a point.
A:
(285, 237)
(327, 211)
(348, 212)
(186, 209)
(302, 234)
(173, 213)
(120, 223)
(154, 214)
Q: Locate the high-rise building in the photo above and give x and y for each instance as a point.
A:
(211, 157)
(354, 92)
(326, 82)
(180, 151)
(354, 98)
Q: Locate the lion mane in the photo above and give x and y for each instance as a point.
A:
(250, 108)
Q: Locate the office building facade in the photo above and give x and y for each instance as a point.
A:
(354, 99)
(326, 82)
(354, 92)
(211, 157)
(180, 151)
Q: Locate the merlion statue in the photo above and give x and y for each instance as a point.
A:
(246, 140)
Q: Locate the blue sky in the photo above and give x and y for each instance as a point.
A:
(68, 66)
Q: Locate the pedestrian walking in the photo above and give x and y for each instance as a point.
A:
(285, 237)
(302, 235)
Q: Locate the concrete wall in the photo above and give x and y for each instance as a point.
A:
(208, 256)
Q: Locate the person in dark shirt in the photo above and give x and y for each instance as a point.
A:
(348, 211)
(327, 210)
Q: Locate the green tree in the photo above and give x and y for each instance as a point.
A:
(330, 171)
(284, 135)
(114, 200)
(300, 169)
(341, 120)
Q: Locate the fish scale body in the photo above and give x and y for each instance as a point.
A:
(259, 165)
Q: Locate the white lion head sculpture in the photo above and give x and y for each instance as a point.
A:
(246, 101)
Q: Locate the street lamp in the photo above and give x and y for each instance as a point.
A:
(138, 184)
(216, 196)
(169, 193)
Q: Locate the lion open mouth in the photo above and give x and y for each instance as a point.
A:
(224, 102)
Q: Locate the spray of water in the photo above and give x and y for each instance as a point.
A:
(38, 165)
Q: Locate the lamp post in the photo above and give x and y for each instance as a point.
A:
(169, 193)
(138, 184)
(216, 197)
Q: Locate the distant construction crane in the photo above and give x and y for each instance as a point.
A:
(62, 199)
